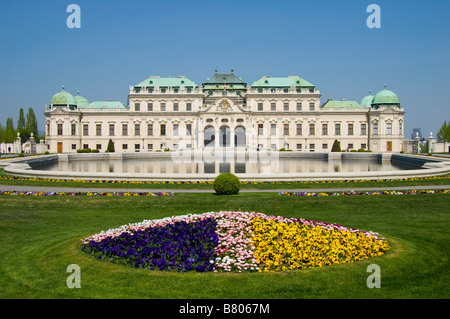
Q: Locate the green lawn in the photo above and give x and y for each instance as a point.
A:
(40, 237)
(6, 179)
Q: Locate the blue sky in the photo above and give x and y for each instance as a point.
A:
(121, 43)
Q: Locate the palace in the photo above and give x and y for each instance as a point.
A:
(225, 112)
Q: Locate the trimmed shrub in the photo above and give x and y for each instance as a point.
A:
(227, 184)
(110, 148)
(95, 151)
(336, 146)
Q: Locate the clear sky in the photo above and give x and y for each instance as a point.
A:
(327, 42)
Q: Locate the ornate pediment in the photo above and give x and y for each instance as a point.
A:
(224, 105)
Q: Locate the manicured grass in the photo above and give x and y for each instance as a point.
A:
(6, 179)
(40, 237)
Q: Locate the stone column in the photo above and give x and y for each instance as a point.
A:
(431, 141)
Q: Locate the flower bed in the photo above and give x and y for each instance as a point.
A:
(22, 193)
(411, 192)
(233, 241)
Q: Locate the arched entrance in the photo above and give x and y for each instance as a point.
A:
(239, 136)
(209, 137)
(224, 135)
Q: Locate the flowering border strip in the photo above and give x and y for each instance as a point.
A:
(211, 182)
(24, 193)
(243, 241)
(407, 192)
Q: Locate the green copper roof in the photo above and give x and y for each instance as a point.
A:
(81, 101)
(166, 82)
(63, 98)
(330, 104)
(105, 105)
(367, 101)
(267, 81)
(386, 97)
(224, 79)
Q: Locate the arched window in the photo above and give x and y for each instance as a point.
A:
(209, 138)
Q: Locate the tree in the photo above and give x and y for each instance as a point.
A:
(9, 132)
(443, 134)
(336, 146)
(31, 123)
(110, 148)
(21, 121)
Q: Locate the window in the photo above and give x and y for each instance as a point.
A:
(137, 129)
(273, 90)
(149, 107)
(299, 146)
(363, 129)
(350, 146)
(188, 107)
(98, 129)
(74, 146)
(299, 106)
(324, 146)
(189, 90)
(111, 129)
(260, 90)
(273, 107)
(85, 129)
(175, 107)
(175, 90)
(389, 128)
(324, 129)
(124, 146)
(99, 146)
(188, 129)
(312, 129)
(273, 129)
(311, 90)
(73, 129)
(400, 128)
(163, 90)
(150, 147)
(299, 129)
(363, 146)
(350, 129)
(286, 106)
(163, 129)
(150, 129)
(85, 146)
(124, 129)
(375, 128)
(286, 129)
(137, 107)
(163, 107)
(286, 90)
(137, 147)
(311, 106)
(337, 129)
(175, 129)
(312, 147)
(260, 129)
(260, 106)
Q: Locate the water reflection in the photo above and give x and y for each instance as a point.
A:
(242, 166)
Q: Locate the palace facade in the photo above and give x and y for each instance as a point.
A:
(225, 112)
